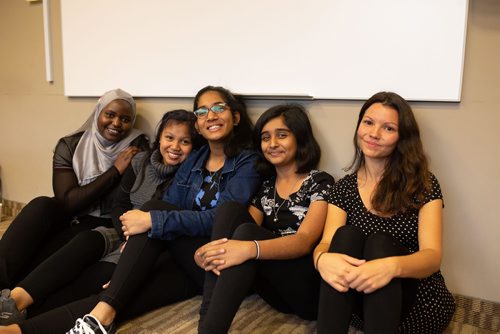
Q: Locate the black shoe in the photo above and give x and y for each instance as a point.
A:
(9, 314)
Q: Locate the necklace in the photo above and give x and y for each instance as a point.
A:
(215, 177)
(275, 211)
(212, 175)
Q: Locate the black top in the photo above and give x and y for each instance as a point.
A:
(79, 200)
(434, 305)
(291, 211)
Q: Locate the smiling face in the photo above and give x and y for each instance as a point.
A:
(175, 143)
(115, 120)
(377, 134)
(278, 143)
(215, 127)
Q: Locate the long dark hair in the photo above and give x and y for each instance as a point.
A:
(406, 176)
(241, 136)
(295, 118)
(176, 116)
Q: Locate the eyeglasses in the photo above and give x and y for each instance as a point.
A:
(216, 108)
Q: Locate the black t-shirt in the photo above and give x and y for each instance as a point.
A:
(291, 211)
(209, 193)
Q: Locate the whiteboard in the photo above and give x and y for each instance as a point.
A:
(321, 49)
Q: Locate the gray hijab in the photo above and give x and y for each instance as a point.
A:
(94, 154)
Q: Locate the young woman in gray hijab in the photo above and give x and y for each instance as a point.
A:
(87, 168)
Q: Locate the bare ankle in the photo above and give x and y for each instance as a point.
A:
(22, 298)
(104, 312)
(11, 329)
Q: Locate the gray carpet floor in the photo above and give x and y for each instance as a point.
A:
(256, 316)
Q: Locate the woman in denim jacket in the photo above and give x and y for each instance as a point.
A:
(221, 171)
(237, 172)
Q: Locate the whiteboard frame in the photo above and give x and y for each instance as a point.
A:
(322, 49)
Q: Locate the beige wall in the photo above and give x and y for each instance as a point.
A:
(462, 139)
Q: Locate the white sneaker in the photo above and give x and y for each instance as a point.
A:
(90, 325)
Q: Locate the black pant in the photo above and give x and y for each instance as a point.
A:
(151, 273)
(290, 286)
(37, 232)
(166, 284)
(134, 268)
(71, 273)
(382, 309)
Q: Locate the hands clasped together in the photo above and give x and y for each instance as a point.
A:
(343, 272)
(223, 253)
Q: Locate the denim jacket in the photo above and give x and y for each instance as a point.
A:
(239, 181)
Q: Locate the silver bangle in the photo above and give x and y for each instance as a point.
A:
(258, 249)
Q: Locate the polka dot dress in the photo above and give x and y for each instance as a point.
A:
(434, 305)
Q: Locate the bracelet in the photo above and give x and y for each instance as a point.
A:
(317, 260)
(258, 249)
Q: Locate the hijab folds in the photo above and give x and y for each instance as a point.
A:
(94, 154)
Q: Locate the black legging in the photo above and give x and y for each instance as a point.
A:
(290, 286)
(140, 254)
(37, 232)
(152, 295)
(381, 310)
(71, 273)
(151, 273)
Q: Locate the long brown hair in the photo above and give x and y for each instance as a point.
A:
(406, 176)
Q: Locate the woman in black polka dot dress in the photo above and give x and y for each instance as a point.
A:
(381, 249)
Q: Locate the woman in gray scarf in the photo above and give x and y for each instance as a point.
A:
(80, 268)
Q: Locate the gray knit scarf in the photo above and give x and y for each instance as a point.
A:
(149, 176)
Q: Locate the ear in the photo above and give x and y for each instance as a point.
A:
(196, 127)
(236, 118)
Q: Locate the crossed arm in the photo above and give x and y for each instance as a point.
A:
(224, 253)
(343, 272)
